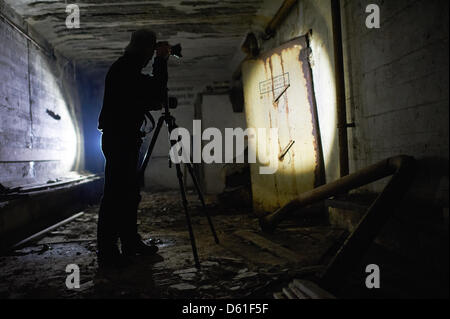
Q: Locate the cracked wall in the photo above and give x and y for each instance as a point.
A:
(40, 137)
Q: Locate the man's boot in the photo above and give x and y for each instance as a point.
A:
(137, 246)
(112, 258)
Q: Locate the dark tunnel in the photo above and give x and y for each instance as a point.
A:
(233, 150)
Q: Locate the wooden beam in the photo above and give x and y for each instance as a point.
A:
(274, 248)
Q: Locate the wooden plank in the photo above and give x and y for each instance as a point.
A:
(69, 180)
(312, 290)
(298, 292)
(250, 252)
(289, 294)
(278, 295)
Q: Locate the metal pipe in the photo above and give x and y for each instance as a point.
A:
(18, 29)
(359, 241)
(42, 233)
(340, 87)
(279, 17)
(365, 176)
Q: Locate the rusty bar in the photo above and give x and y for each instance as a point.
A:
(286, 150)
(42, 233)
(340, 87)
(365, 176)
(371, 223)
(281, 94)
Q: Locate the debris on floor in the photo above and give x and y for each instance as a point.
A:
(246, 263)
(303, 289)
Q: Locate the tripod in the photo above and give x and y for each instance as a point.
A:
(169, 120)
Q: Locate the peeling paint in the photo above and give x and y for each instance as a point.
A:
(110, 23)
(295, 117)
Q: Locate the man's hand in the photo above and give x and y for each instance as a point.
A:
(163, 50)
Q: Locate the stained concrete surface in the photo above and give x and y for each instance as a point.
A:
(210, 30)
(245, 264)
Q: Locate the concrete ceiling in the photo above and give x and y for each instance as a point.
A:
(210, 31)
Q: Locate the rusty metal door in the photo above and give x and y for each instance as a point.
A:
(278, 92)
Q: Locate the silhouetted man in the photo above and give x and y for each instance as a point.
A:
(128, 95)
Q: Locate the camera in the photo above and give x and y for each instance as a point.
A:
(175, 50)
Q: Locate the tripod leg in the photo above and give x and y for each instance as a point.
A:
(200, 196)
(188, 218)
(150, 148)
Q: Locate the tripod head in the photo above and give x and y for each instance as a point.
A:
(172, 102)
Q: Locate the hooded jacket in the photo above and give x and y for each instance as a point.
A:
(129, 94)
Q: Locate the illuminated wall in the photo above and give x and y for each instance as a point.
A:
(315, 15)
(397, 90)
(305, 16)
(279, 96)
(396, 82)
(39, 113)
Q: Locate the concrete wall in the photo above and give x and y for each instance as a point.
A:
(397, 96)
(159, 176)
(217, 112)
(396, 80)
(397, 89)
(90, 88)
(40, 136)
